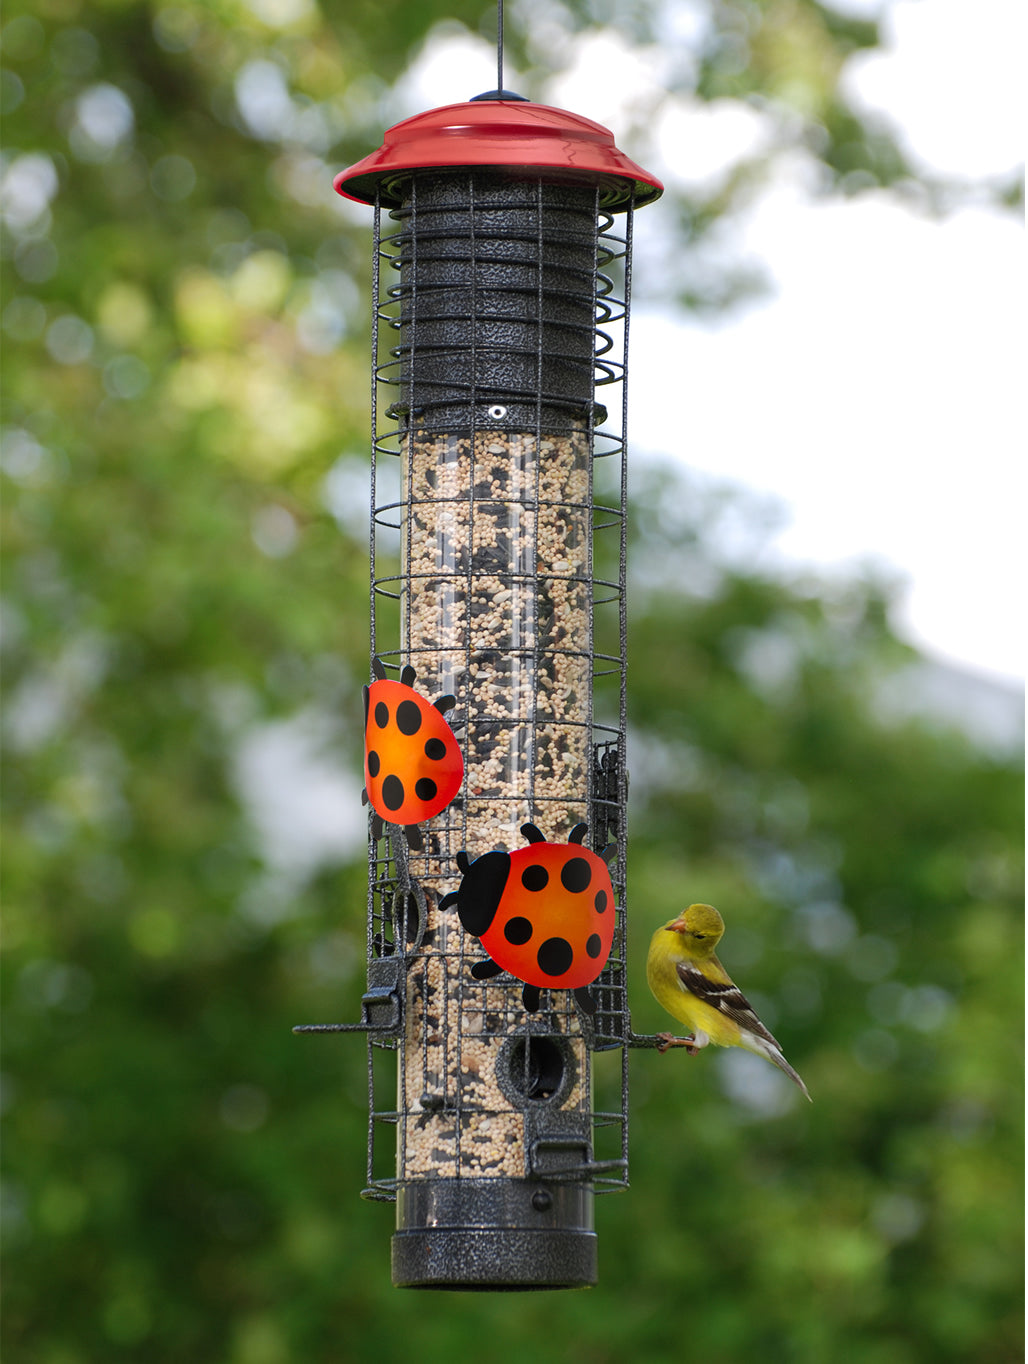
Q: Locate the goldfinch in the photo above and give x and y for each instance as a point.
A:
(688, 980)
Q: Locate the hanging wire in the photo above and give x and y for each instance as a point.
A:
(499, 92)
(499, 45)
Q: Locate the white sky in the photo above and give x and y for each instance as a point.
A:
(921, 463)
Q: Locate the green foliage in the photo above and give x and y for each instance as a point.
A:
(185, 322)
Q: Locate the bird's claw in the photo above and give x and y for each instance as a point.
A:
(668, 1039)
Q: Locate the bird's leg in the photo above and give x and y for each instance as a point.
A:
(668, 1039)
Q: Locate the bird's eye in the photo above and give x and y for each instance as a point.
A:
(699, 935)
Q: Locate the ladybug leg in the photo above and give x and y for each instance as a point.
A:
(530, 997)
(413, 836)
(377, 828)
(584, 999)
(485, 970)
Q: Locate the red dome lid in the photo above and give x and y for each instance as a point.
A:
(510, 135)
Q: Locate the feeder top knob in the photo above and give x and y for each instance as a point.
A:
(502, 132)
(500, 94)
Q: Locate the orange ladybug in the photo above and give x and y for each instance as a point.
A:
(544, 913)
(413, 766)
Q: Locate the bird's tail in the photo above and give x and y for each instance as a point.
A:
(775, 1056)
(793, 1075)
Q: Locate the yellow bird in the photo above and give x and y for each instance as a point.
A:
(688, 980)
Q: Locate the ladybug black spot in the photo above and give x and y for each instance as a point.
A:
(374, 763)
(392, 793)
(435, 749)
(601, 901)
(555, 956)
(425, 788)
(535, 877)
(575, 875)
(381, 715)
(594, 946)
(517, 931)
(408, 717)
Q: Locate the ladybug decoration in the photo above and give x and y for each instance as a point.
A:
(544, 913)
(413, 766)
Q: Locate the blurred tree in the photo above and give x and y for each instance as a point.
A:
(185, 316)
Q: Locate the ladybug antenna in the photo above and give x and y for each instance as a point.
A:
(533, 834)
(407, 676)
(378, 668)
(463, 861)
(609, 853)
(577, 833)
(445, 703)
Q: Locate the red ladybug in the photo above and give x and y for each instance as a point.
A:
(544, 913)
(413, 766)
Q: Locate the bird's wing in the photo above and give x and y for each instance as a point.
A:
(724, 996)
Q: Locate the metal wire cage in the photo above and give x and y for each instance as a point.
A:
(498, 520)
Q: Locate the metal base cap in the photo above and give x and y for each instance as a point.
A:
(498, 1235)
(500, 1261)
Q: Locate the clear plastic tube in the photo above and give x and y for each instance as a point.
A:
(497, 609)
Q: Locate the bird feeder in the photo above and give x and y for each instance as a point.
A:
(501, 280)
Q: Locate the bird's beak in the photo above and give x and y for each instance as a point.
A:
(676, 925)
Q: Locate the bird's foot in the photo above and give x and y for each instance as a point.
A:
(668, 1039)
